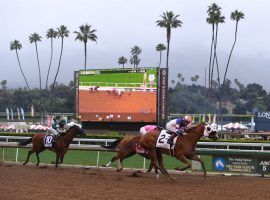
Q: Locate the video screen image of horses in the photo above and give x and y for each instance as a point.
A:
(118, 95)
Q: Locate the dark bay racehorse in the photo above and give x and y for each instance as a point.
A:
(61, 147)
(126, 148)
(184, 148)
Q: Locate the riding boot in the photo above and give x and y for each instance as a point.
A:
(170, 140)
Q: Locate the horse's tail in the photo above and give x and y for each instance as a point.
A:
(25, 142)
(112, 145)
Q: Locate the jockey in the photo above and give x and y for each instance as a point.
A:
(57, 129)
(178, 126)
(147, 129)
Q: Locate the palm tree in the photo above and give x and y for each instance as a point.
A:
(160, 47)
(84, 35)
(235, 16)
(51, 34)
(122, 61)
(214, 13)
(34, 38)
(135, 52)
(179, 75)
(62, 32)
(169, 21)
(16, 45)
(173, 82)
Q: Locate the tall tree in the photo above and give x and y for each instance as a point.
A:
(215, 18)
(16, 45)
(179, 75)
(135, 52)
(4, 84)
(62, 32)
(160, 47)
(84, 35)
(122, 61)
(51, 34)
(212, 11)
(173, 82)
(34, 38)
(169, 20)
(235, 16)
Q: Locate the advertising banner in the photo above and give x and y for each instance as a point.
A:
(241, 164)
(262, 121)
(163, 96)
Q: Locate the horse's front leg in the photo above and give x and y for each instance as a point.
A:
(56, 160)
(184, 160)
(62, 155)
(196, 158)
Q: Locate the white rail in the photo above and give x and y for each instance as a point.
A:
(201, 145)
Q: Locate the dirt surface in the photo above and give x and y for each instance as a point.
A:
(29, 182)
(130, 106)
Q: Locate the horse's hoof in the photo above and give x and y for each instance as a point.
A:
(157, 176)
(24, 163)
(37, 164)
(177, 168)
(103, 165)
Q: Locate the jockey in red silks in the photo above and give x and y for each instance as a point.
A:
(178, 126)
(147, 129)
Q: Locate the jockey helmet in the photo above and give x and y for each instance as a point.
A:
(62, 122)
(188, 119)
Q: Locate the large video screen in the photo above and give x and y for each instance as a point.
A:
(118, 95)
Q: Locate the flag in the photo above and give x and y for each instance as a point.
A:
(11, 111)
(215, 119)
(32, 111)
(203, 118)
(7, 111)
(18, 111)
(22, 112)
(209, 118)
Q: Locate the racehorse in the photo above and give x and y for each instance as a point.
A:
(61, 146)
(127, 147)
(115, 92)
(94, 88)
(184, 148)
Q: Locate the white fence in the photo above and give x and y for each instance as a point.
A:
(204, 148)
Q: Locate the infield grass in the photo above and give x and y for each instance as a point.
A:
(89, 158)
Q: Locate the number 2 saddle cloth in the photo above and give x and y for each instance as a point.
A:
(162, 141)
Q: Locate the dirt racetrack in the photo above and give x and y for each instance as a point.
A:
(29, 182)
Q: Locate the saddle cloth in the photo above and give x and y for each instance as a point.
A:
(139, 149)
(48, 140)
(162, 141)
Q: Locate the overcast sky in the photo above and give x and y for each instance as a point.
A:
(122, 24)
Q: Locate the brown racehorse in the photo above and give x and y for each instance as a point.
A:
(184, 148)
(61, 146)
(126, 148)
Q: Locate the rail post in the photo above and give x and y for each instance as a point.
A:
(17, 153)
(97, 159)
(3, 154)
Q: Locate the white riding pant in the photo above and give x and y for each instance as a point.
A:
(53, 131)
(172, 125)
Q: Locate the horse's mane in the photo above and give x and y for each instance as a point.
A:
(192, 128)
(69, 128)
